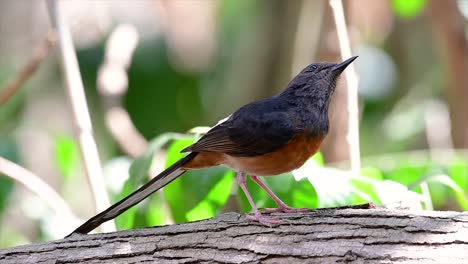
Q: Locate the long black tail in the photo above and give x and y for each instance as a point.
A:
(137, 196)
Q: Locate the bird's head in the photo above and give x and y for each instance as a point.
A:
(318, 80)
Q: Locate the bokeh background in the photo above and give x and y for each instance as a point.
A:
(154, 70)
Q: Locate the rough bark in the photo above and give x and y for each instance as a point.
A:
(321, 236)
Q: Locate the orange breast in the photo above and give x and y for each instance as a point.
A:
(289, 157)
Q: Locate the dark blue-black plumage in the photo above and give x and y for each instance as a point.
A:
(266, 125)
(255, 129)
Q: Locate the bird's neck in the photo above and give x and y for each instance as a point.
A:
(316, 102)
(309, 114)
(310, 103)
(314, 96)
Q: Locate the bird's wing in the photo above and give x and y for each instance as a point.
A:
(247, 133)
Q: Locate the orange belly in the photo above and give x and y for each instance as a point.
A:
(289, 157)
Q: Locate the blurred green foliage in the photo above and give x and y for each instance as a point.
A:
(66, 154)
(197, 194)
(408, 8)
(163, 98)
(138, 175)
(204, 193)
(158, 87)
(8, 150)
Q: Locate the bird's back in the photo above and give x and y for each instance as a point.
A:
(266, 137)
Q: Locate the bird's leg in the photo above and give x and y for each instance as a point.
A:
(282, 206)
(269, 221)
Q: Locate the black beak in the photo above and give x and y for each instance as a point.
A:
(338, 68)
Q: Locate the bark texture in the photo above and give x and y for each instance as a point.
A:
(321, 236)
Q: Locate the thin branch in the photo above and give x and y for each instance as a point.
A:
(35, 185)
(80, 113)
(29, 69)
(352, 83)
(112, 83)
(426, 195)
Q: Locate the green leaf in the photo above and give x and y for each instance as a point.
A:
(196, 186)
(318, 158)
(151, 212)
(156, 212)
(140, 167)
(364, 185)
(372, 173)
(365, 191)
(438, 193)
(294, 193)
(449, 182)
(190, 197)
(126, 220)
(408, 8)
(173, 152)
(303, 195)
(214, 201)
(138, 175)
(66, 154)
(298, 194)
(458, 171)
(407, 174)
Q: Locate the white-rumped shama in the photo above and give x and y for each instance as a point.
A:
(264, 138)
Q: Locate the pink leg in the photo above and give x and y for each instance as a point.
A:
(282, 207)
(269, 221)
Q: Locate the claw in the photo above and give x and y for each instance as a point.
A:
(264, 220)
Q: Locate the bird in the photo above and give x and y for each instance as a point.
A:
(267, 137)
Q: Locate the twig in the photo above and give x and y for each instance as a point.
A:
(29, 69)
(80, 113)
(112, 83)
(426, 195)
(35, 185)
(352, 81)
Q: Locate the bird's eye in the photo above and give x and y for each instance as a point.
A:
(311, 68)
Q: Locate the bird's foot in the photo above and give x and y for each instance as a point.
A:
(264, 220)
(285, 209)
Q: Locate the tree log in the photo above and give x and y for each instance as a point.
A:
(319, 236)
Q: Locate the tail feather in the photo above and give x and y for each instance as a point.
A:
(137, 196)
